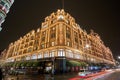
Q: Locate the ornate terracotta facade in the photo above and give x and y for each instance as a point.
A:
(59, 36)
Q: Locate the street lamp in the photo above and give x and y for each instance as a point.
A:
(118, 61)
(118, 57)
(87, 46)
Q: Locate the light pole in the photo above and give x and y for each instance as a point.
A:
(85, 49)
(118, 61)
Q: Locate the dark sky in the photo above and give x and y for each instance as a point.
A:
(103, 16)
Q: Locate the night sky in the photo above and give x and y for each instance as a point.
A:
(103, 16)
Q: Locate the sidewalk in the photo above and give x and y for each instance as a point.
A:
(24, 77)
(64, 76)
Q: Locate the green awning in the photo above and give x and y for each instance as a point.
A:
(75, 63)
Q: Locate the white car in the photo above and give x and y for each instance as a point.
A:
(84, 73)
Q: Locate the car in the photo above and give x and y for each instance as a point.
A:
(83, 74)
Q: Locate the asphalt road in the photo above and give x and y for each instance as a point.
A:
(113, 76)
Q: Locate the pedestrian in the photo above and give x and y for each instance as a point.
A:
(1, 74)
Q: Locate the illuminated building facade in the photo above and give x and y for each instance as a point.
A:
(60, 39)
(4, 9)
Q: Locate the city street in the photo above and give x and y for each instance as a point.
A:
(59, 40)
(113, 76)
(106, 75)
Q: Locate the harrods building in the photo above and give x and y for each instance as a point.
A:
(59, 41)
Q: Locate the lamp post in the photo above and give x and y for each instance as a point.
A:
(118, 60)
(85, 49)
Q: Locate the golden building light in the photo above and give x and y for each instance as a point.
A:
(62, 39)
